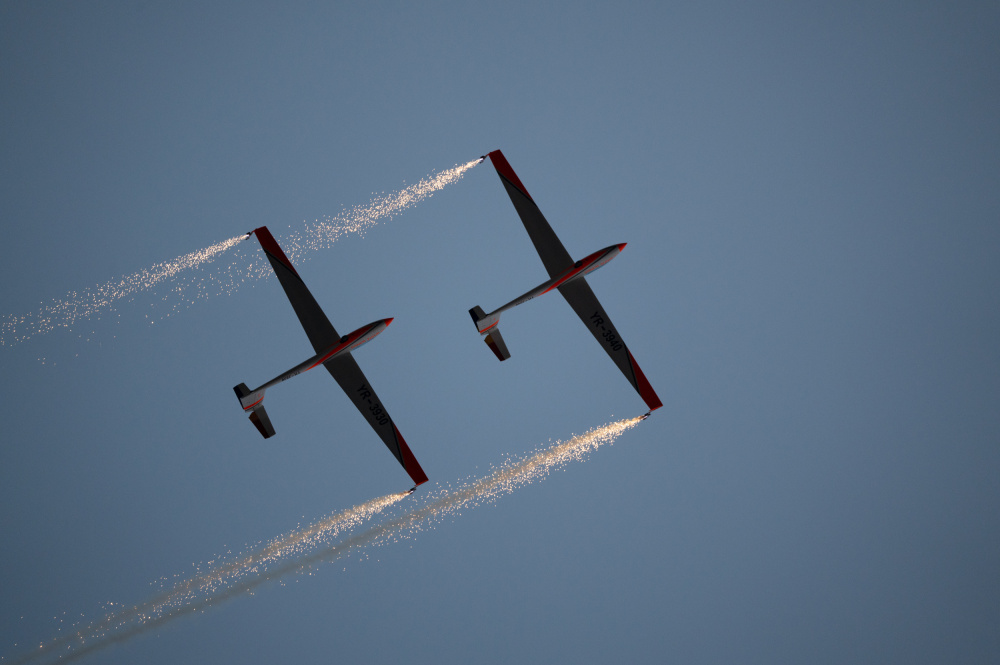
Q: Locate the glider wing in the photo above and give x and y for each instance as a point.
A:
(348, 374)
(319, 329)
(583, 301)
(554, 256)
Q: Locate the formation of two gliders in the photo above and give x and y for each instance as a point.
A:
(333, 351)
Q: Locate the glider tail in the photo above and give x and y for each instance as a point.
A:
(487, 326)
(252, 402)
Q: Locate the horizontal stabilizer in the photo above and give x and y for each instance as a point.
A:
(258, 416)
(487, 326)
(495, 342)
(253, 402)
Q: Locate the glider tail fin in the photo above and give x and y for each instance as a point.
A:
(487, 326)
(252, 402)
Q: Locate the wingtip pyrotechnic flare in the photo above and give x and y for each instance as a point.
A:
(646, 415)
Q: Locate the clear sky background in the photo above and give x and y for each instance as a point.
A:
(810, 193)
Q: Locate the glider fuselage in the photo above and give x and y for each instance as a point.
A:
(579, 269)
(347, 343)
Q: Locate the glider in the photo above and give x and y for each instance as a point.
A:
(332, 352)
(568, 277)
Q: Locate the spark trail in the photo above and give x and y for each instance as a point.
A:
(192, 592)
(300, 551)
(76, 306)
(200, 275)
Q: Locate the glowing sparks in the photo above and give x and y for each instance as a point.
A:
(277, 550)
(199, 275)
(305, 548)
(359, 219)
(209, 586)
(506, 478)
(76, 306)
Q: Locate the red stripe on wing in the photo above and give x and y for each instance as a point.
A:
(410, 462)
(503, 168)
(642, 384)
(271, 246)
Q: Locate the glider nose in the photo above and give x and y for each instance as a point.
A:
(621, 246)
(389, 320)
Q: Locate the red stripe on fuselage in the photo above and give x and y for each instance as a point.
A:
(331, 353)
(584, 265)
(351, 339)
(247, 408)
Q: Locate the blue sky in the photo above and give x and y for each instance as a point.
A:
(810, 194)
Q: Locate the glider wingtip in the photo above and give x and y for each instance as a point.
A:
(409, 462)
(642, 385)
(653, 406)
(506, 173)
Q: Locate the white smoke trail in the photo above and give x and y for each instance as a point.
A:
(211, 583)
(220, 278)
(292, 554)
